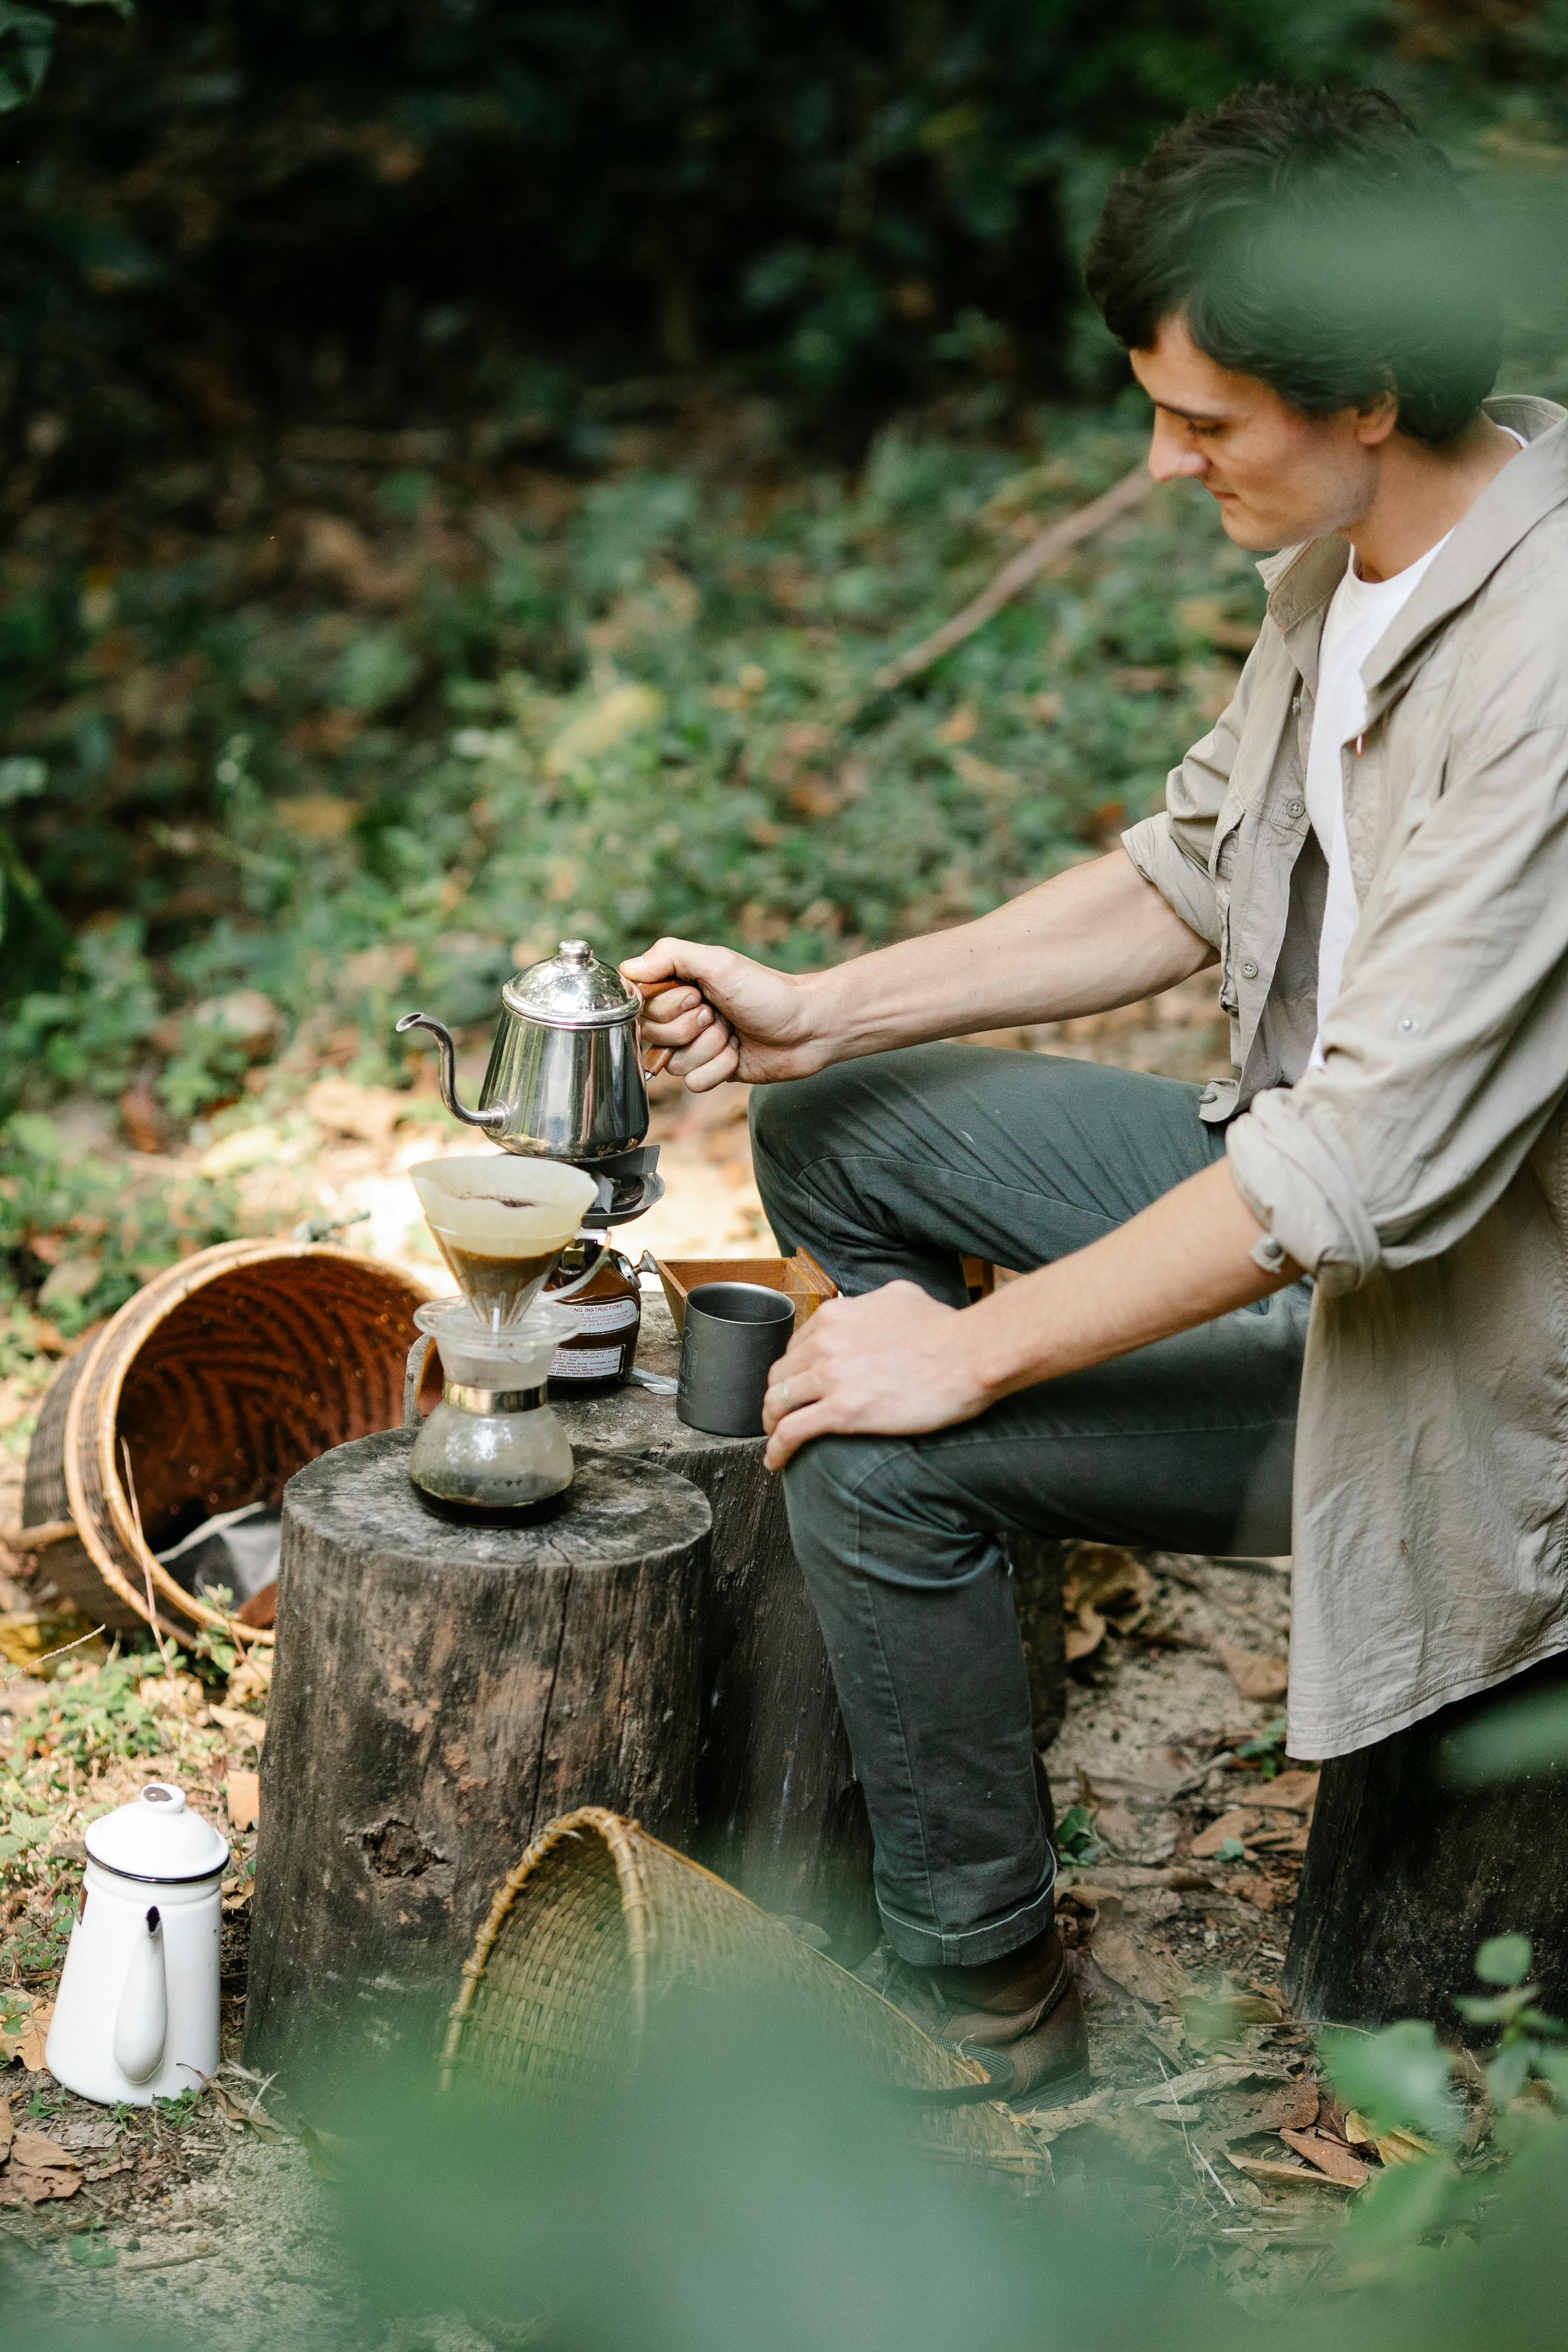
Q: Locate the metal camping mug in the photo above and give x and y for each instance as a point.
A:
(735, 1332)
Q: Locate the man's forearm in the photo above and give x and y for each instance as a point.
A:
(1093, 938)
(1181, 1262)
(894, 1362)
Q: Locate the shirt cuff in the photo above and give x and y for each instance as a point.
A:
(1185, 888)
(1294, 1181)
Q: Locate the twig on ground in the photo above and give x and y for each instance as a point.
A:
(1071, 532)
(146, 1570)
(64, 1647)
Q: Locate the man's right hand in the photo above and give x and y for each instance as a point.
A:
(723, 1016)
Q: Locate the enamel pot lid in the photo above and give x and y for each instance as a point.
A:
(157, 1837)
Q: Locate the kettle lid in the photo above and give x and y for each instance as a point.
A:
(572, 990)
(156, 1836)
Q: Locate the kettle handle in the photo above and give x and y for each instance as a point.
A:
(141, 2019)
(491, 1120)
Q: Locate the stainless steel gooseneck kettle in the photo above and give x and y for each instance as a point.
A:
(566, 1077)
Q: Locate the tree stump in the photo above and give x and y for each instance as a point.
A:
(441, 1692)
(1407, 1874)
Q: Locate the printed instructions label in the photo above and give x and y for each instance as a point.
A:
(585, 1364)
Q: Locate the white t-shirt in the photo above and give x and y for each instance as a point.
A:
(1362, 612)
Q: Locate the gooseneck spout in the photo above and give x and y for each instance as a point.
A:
(492, 1120)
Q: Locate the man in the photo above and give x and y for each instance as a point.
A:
(1373, 844)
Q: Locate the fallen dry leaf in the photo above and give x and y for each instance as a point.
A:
(1287, 2104)
(1330, 2156)
(243, 1798)
(240, 1723)
(1106, 1579)
(1291, 1840)
(367, 1114)
(1300, 2176)
(39, 2153)
(1404, 2147)
(1085, 1633)
(35, 2035)
(1358, 2131)
(1290, 1793)
(1255, 1677)
(1238, 1823)
(88, 2134)
(1196, 2083)
(8, 2129)
(1139, 1966)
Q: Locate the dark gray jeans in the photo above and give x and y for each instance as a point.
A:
(897, 1165)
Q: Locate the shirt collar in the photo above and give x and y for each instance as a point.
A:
(1301, 579)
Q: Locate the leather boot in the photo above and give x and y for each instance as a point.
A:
(1020, 2017)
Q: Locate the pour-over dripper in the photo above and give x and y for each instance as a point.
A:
(501, 1223)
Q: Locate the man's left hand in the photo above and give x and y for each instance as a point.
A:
(888, 1364)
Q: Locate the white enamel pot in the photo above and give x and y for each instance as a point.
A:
(136, 2018)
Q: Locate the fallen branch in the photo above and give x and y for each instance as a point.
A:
(1071, 532)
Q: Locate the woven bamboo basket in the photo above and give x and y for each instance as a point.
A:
(598, 1921)
(217, 1381)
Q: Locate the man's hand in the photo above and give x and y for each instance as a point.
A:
(725, 1016)
(894, 1362)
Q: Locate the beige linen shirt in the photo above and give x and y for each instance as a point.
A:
(1421, 1175)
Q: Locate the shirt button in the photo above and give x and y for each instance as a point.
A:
(1294, 808)
(1249, 970)
(1296, 705)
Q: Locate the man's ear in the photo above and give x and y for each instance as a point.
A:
(1376, 418)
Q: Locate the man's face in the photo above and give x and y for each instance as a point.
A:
(1278, 477)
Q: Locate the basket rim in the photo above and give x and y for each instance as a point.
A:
(162, 1296)
(623, 1836)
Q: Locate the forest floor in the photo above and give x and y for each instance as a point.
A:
(1181, 1823)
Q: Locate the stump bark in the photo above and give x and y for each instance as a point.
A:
(1406, 1875)
(441, 1692)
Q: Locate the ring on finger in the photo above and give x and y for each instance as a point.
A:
(784, 1395)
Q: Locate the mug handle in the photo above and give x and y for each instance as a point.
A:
(568, 1288)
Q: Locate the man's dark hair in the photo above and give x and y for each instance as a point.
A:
(1311, 237)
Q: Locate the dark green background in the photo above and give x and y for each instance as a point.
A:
(227, 208)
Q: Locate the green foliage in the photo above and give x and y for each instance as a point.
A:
(637, 705)
(1530, 2043)
(95, 1715)
(1074, 1836)
(1509, 1741)
(26, 45)
(1399, 2078)
(849, 206)
(78, 1236)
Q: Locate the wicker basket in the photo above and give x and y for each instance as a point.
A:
(598, 1920)
(227, 1374)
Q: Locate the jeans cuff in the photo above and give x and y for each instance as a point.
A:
(929, 1948)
